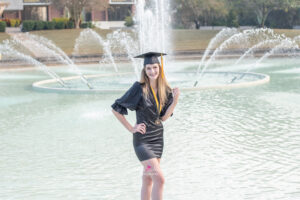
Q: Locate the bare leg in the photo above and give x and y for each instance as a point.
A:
(146, 187)
(158, 159)
(152, 169)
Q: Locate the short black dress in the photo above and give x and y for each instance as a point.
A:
(148, 145)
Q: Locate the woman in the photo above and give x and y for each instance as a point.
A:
(154, 101)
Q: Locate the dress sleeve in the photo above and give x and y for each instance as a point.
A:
(129, 100)
(167, 105)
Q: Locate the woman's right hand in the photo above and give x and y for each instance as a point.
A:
(139, 128)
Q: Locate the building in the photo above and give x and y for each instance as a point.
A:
(44, 10)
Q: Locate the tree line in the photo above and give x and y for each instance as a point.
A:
(234, 13)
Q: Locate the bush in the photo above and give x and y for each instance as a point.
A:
(60, 25)
(83, 25)
(7, 21)
(50, 25)
(91, 25)
(62, 19)
(2, 26)
(129, 21)
(86, 25)
(232, 19)
(18, 22)
(282, 19)
(219, 21)
(39, 25)
(28, 25)
(45, 24)
(70, 24)
(14, 22)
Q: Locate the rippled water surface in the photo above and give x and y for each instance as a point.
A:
(219, 144)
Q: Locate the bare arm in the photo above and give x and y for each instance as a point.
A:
(123, 120)
(132, 129)
(169, 111)
(171, 108)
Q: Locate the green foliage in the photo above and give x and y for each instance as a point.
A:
(15, 22)
(61, 19)
(28, 25)
(86, 25)
(262, 8)
(232, 19)
(282, 19)
(39, 25)
(60, 25)
(50, 25)
(90, 25)
(83, 25)
(234, 13)
(219, 21)
(7, 21)
(57, 23)
(129, 21)
(70, 24)
(2, 26)
(75, 7)
(199, 12)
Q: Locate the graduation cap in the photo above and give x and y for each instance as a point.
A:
(151, 58)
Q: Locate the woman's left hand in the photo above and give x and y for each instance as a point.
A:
(176, 93)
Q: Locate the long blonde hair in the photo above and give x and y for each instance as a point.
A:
(163, 88)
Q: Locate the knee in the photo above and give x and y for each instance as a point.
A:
(147, 180)
(159, 179)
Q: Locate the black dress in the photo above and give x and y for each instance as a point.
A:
(150, 144)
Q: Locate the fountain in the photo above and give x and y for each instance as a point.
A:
(219, 144)
(152, 16)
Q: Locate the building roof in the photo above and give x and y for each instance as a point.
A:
(36, 2)
(13, 4)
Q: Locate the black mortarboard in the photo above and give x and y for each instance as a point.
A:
(150, 57)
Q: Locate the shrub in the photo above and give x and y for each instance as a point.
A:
(129, 21)
(2, 26)
(62, 19)
(60, 25)
(39, 25)
(7, 21)
(18, 22)
(28, 25)
(14, 22)
(232, 19)
(50, 25)
(45, 25)
(84, 25)
(70, 24)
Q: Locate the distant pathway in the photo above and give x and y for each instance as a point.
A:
(12, 30)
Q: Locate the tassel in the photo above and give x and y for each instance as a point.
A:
(162, 65)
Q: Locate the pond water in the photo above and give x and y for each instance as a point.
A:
(219, 144)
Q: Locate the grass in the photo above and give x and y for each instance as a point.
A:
(65, 39)
(187, 40)
(4, 36)
(182, 40)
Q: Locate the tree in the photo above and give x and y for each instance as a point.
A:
(262, 8)
(232, 19)
(75, 7)
(200, 12)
